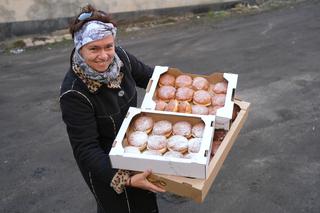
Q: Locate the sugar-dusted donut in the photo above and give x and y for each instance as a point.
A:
(194, 145)
(184, 94)
(160, 105)
(173, 154)
(151, 152)
(138, 139)
(182, 128)
(143, 123)
(218, 100)
(183, 81)
(197, 130)
(200, 110)
(220, 87)
(178, 143)
(202, 97)
(213, 109)
(200, 83)
(132, 149)
(157, 142)
(167, 80)
(184, 107)
(162, 127)
(166, 93)
(172, 106)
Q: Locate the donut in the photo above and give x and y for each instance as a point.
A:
(143, 123)
(138, 139)
(182, 128)
(173, 154)
(220, 87)
(167, 80)
(132, 149)
(172, 106)
(160, 105)
(184, 94)
(218, 100)
(183, 81)
(197, 130)
(202, 97)
(200, 110)
(200, 83)
(157, 142)
(178, 143)
(184, 107)
(166, 93)
(213, 109)
(151, 152)
(194, 145)
(162, 127)
(190, 155)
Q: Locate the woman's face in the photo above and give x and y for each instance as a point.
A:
(99, 54)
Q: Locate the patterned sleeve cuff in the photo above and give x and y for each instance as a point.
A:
(119, 180)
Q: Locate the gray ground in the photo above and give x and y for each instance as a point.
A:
(274, 165)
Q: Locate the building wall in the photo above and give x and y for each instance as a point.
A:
(34, 10)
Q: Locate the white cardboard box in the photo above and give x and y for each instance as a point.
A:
(195, 167)
(223, 115)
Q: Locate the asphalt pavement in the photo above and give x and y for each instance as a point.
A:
(274, 165)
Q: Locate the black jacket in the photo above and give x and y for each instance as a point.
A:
(92, 121)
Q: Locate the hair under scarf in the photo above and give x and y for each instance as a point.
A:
(93, 31)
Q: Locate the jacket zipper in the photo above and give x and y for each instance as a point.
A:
(127, 199)
(94, 192)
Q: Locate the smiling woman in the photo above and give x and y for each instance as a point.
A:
(95, 95)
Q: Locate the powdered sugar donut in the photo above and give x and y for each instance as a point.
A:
(138, 139)
(167, 80)
(157, 142)
(178, 143)
(132, 149)
(213, 109)
(182, 128)
(200, 83)
(220, 87)
(197, 130)
(218, 100)
(160, 105)
(184, 107)
(152, 152)
(202, 97)
(162, 127)
(166, 93)
(200, 110)
(184, 94)
(143, 123)
(194, 145)
(173, 154)
(183, 81)
(172, 106)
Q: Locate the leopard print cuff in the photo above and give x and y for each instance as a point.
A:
(119, 180)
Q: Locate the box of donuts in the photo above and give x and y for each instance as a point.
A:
(222, 142)
(165, 142)
(170, 89)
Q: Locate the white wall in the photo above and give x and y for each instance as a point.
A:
(33, 10)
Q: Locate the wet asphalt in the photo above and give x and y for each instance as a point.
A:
(274, 165)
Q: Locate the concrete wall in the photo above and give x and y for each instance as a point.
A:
(18, 17)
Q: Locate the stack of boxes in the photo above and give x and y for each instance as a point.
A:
(188, 177)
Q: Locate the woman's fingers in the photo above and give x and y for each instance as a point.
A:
(140, 180)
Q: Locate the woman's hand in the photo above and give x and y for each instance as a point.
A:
(140, 181)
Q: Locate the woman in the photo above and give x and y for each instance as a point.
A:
(95, 95)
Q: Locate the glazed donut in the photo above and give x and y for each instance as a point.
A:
(183, 81)
(197, 130)
(213, 109)
(178, 143)
(151, 152)
(200, 83)
(184, 94)
(202, 97)
(218, 100)
(138, 139)
(194, 145)
(160, 105)
(182, 128)
(143, 123)
(132, 149)
(200, 110)
(167, 80)
(166, 93)
(173, 154)
(162, 127)
(158, 143)
(184, 107)
(220, 87)
(172, 106)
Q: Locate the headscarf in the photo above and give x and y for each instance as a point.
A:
(92, 31)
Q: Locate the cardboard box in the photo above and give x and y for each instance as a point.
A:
(223, 115)
(197, 189)
(195, 167)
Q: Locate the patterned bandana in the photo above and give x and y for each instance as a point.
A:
(92, 31)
